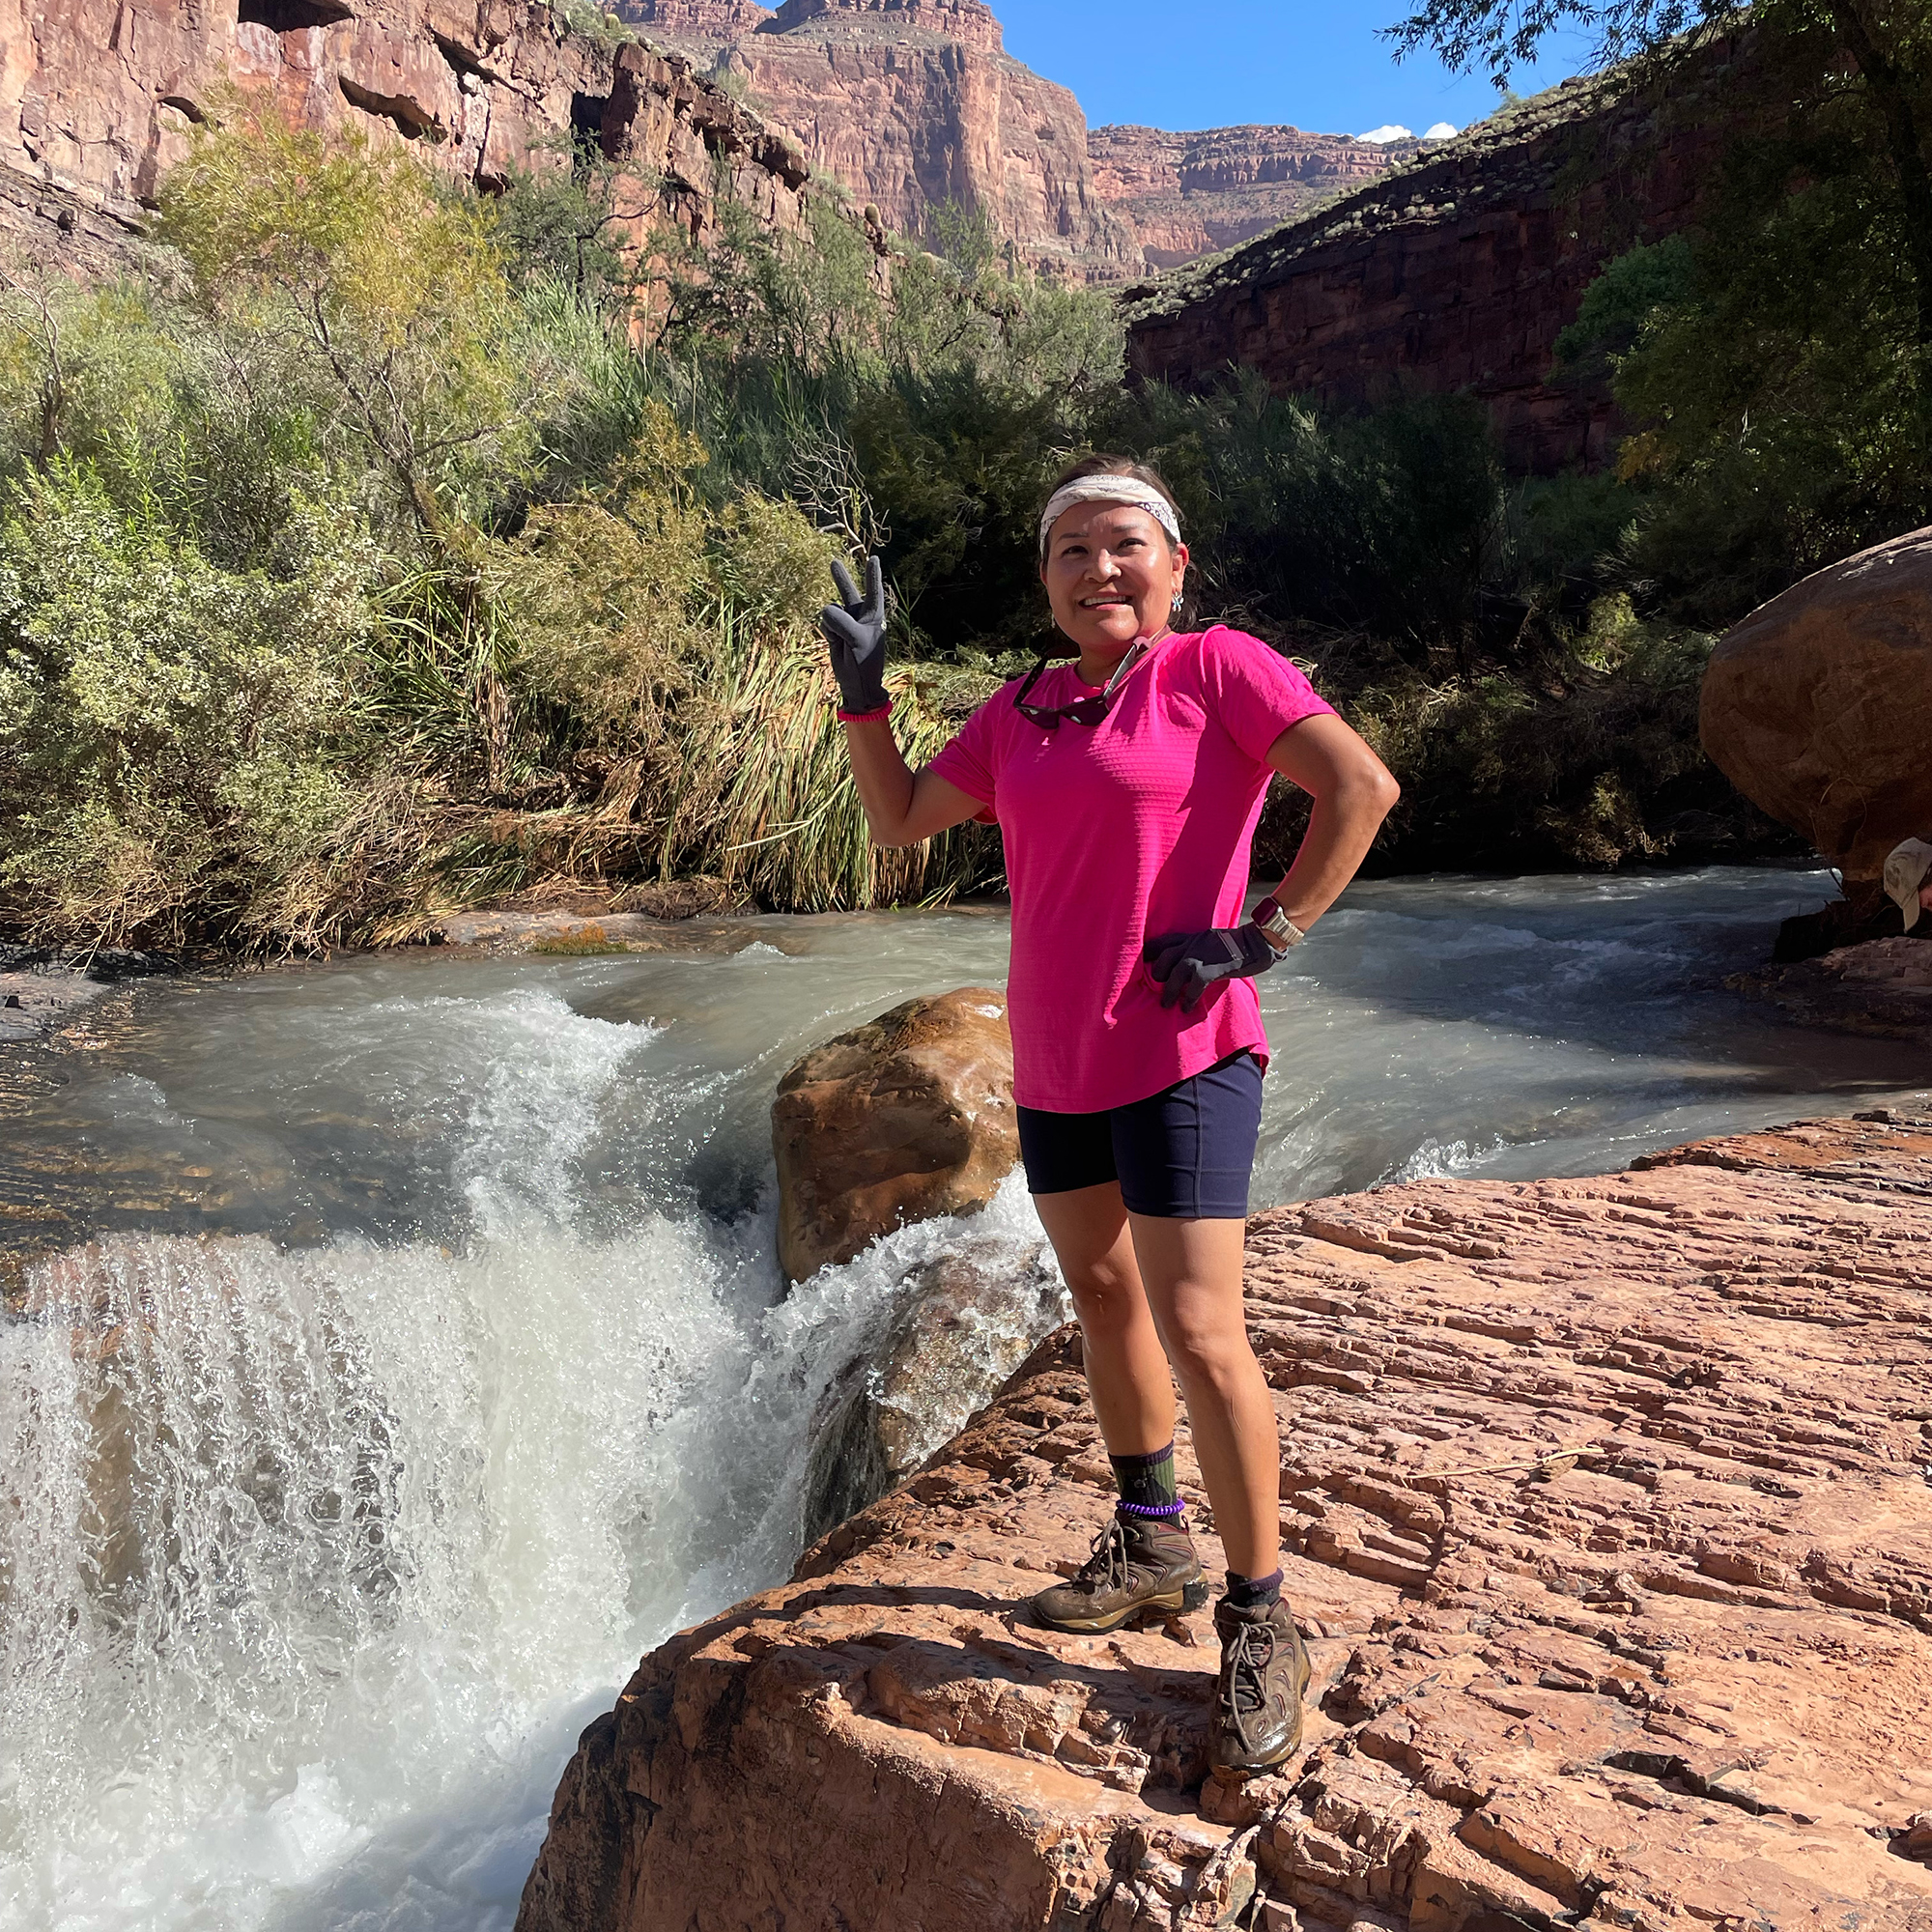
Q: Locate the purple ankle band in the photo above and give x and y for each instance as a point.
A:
(1172, 1509)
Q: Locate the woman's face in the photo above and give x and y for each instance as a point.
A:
(1111, 576)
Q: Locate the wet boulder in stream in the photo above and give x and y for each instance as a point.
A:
(961, 1325)
(904, 1119)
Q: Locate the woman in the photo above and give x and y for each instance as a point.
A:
(1126, 787)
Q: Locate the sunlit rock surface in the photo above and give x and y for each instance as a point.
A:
(914, 103)
(98, 100)
(1610, 1526)
(1814, 706)
(904, 1119)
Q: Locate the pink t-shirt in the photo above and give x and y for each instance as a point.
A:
(1138, 826)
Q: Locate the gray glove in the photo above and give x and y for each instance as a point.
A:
(855, 628)
(1188, 964)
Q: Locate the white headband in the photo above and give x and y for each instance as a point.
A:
(1108, 490)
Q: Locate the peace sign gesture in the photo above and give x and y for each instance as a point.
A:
(855, 628)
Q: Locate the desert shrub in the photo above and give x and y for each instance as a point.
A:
(178, 738)
(378, 289)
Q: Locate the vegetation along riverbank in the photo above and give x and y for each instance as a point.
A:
(392, 550)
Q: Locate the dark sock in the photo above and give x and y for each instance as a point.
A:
(1253, 1593)
(1147, 1487)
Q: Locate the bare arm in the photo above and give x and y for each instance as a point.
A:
(1352, 793)
(902, 807)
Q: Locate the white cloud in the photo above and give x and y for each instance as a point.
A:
(1388, 133)
(1441, 131)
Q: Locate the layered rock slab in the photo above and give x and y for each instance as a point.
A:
(1609, 1522)
(1883, 987)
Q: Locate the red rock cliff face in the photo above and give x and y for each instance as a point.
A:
(1609, 1529)
(911, 103)
(695, 25)
(1189, 195)
(1458, 272)
(916, 104)
(98, 97)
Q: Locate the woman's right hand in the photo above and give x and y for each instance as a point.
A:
(855, 626)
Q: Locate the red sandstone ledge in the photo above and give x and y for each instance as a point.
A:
(1612, 1532)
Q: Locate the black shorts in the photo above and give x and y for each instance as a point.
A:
(1183, 1154)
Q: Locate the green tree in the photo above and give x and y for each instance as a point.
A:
(388, 296)
(1886, 43)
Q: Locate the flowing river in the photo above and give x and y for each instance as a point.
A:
(407, 1352)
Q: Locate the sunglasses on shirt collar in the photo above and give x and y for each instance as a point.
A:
(1083, 710)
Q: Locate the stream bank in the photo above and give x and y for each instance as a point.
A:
(1607, 1523)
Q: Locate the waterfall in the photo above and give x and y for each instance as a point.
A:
(312, 1560)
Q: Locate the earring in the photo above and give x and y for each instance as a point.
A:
(1177, 600)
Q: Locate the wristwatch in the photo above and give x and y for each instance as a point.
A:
(1280, 931)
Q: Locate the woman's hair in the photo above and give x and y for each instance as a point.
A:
(1100, 465)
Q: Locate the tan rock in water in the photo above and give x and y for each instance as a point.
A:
(905, 1118)
(1815, 706)
(963, 1324)
(1608, 1522)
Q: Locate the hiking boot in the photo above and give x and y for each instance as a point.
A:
(1136, 1568)
(1257, 1720)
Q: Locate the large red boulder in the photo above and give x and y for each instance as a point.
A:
(1817, 706)
(903, 1119)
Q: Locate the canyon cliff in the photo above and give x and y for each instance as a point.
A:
(1458, 270)
(910, 104)
(1609, 1529)
(97, 98)
(914, 105)
(1188, 195)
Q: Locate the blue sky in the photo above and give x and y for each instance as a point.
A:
(1186, 63)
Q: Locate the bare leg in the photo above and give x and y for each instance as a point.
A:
(1193, 1275)
(1133, 1391)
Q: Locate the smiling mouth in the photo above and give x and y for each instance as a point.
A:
(1106, 603)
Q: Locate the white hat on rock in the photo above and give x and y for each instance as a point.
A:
(1905, 870)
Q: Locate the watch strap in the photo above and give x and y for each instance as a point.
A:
(1282, 932)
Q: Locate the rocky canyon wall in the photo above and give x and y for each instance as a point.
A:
(97, 98)
(912, 104)
(908, 104)
(1458, 270)
(1188, 195)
